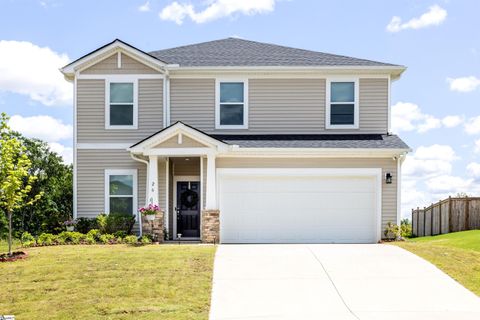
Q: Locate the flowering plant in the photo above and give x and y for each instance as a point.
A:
(70, 223)
(151, 209)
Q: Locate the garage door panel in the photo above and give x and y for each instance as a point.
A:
(288, 209)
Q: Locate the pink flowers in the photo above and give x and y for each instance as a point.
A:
(151, 209)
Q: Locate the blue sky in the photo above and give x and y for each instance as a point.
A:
(435, 103)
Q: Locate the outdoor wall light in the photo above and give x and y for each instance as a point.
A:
(388, 178)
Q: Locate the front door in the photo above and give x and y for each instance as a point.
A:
(188, 209)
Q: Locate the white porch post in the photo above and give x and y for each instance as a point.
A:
(152, 191)
(211, 201)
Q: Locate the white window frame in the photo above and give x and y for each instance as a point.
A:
(133, 173)
(217, 103)
(356, 106)
(121, 79)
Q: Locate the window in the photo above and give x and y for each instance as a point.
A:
(121, 191)
(121, 108)
(231, 104)
(342, 104)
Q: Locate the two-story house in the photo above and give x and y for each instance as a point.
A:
(238, 141)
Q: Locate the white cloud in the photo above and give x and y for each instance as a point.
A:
(472, 126)
(144, 7)
(33, 71)
(473, 169)
(42, 127)
(477, 146)
(433, 17)
(216, 9)
(407, 116)
(464, 84)
(65, 152)
(429, 162)
(446, 185)
(452, 121)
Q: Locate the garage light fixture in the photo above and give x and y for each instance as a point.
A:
(388, 178)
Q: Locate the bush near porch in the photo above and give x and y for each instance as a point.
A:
(109, 282)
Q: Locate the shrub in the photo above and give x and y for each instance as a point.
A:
(106, 238)
(130, 239)
(145, 240)
(46, 239)
(392, 232)
(119, 222)
(89, 239)
(94, 233)
(118, 240)
(101, 221)
(84, 225)
(27, 239)
(70, 237)
(120, 234)
(405, 228)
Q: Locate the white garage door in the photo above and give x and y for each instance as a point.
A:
(299, 205)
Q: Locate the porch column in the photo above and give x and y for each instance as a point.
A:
(211, 201)
(152, 180)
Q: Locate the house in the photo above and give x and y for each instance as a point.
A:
(239, 141)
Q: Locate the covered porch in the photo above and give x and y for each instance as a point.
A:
(181, 179)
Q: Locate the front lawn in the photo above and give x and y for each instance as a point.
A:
(109, 282)
(457, 254)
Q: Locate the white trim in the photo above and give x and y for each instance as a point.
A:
(179, 138)
(119, 60)
(167, 191)
(75, 212)
(218, 81)
(178, 152)
(399, 189)
(133, 173)
(167, 96)
(313, 152)
(272, 74)
(211, 189)
(328, 103)
(174, 130)
(125, 79)
(112, 47)
(389, 106)
(119, 76)
(331, 172)
(201, 183)
(179, 179)
(153, 188)
(164, 103)
(110, 146)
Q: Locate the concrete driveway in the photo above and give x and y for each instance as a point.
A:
(333, 282)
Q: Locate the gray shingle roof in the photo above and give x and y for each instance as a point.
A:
(367, 141)
(239, 52)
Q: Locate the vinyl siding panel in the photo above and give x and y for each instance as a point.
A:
(389, 191)
(128, 66)
(91, 165)
(279, 106)
(91, 112)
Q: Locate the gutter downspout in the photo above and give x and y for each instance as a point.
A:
(146, 196)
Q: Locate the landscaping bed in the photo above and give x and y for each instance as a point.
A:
(109, 282)
(457, 254)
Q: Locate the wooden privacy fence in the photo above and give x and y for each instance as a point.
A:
(449, 215)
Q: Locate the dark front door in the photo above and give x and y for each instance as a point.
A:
(188, 208)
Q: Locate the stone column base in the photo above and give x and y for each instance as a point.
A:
(210, 226)
(154, 228)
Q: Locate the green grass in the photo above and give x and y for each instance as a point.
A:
(109, 282)
(457, 254)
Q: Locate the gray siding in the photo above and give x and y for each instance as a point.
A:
(389, 191)
(278, 106)
(128, 66)
(91, 112)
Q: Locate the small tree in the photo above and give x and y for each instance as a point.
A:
(15, 178)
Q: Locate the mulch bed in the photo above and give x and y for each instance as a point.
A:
(17, 255)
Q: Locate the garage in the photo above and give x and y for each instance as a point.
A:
(259, 205)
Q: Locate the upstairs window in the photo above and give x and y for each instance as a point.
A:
(120, 191)
(342, 104)
(231, 105)
(121, 108)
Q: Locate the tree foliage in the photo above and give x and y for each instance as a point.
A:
(54, 180)
(16, 178)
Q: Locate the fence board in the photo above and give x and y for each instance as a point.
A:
(450, 215)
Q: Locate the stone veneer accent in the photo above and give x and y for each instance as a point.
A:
(157, 231)
(210, 226)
